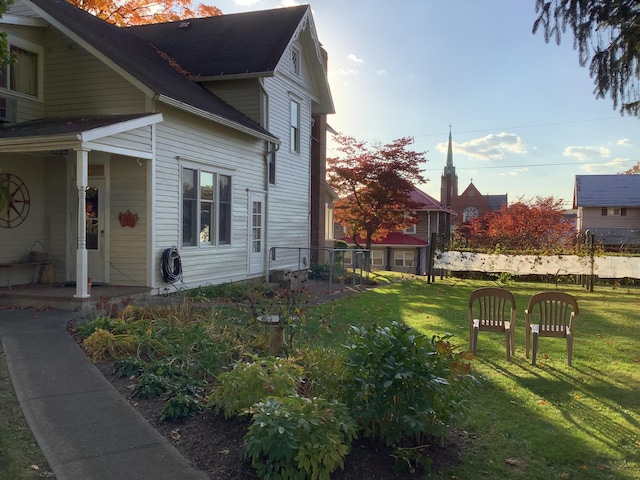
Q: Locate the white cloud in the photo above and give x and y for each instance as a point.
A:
(624, 142)
(346, 72)
(380, 72)
(607, 167)
(587, 153)
(491, 147)
(354, 58)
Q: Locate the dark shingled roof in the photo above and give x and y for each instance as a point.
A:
(607, 191)
(62, 126)
(236, 44)
(141, 60)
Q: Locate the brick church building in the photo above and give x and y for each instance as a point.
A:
(471, 203)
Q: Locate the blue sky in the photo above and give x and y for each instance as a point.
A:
(524, 117)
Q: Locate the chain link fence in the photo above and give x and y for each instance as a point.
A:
(328, 269)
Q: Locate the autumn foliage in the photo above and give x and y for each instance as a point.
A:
(140, 12)
(527, 225)
(374, 185)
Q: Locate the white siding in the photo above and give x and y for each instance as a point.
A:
(243, 95)
(219, 148)
(138, 140)
(128, 245)
(76, 83)
(17, 242)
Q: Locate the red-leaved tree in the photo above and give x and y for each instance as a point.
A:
(537, 224)
(139, 12)
(374, 186)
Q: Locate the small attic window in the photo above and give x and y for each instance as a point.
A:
(295, 61)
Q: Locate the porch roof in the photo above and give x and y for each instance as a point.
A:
(69, 132)
(394, 239)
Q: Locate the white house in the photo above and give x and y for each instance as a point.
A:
(191, 138)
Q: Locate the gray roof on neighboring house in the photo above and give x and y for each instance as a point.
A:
(496, 202)
(226, 45)
(141, 60)
(606, 191)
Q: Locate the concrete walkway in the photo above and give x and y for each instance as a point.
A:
(85, 428)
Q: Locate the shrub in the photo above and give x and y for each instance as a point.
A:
(129, 367)
(322, 372)
(101, 344)
(401, 386)
(251, 382)
(298, 438)
(181, 405)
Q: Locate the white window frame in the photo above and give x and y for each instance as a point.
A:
(294, 116)
(614, 212)
(216, 202)
(35, 49)
(469, 214)
(377, 258)
(412, 229)
(296, 58)
(403, 258)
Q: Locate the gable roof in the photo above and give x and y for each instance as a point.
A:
(141, 62)
(427, 201)
(241, 45)
(606, 191)
(227, 45)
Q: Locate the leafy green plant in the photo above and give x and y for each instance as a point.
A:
(298, 438)
(129, 367)
(401, 386)
(322, 372)
(181, 405)
(252, 382)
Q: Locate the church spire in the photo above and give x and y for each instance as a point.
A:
(450, 151)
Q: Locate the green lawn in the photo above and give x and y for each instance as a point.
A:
(543, 422)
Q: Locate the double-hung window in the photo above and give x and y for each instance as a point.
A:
(206, 208)
(403, 258)
(23, 74)
(295, 126)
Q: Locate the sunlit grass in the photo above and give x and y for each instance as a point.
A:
(527, 422)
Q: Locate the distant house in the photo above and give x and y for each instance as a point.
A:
(407, 251)
(608, 206)
(471, 203)
(201, 137)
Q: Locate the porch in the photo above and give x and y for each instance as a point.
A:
(61, 297)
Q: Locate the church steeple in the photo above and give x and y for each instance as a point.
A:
(449, 179)
(450, 169)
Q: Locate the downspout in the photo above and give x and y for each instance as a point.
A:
(267, 155)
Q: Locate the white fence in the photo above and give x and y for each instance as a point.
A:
(603, 267)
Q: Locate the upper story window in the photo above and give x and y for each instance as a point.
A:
(206, 208)
(411, 230)
(23, 75)
(469, 214)
(295, 61)
(295, 126)
(614, 212)
(272, 163)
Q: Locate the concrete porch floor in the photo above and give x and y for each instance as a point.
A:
(60, 296)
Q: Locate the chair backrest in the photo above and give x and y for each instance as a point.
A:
(552, 311)
(492, 305)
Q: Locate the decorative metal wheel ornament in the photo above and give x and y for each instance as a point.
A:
(14, 201)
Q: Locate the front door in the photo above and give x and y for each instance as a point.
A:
(256, 233)
(96, 228)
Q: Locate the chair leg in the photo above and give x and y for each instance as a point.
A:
(570, 349)
(534, 330)
(508, 341)
(474, 347)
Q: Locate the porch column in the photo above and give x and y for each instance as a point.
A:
(82, 167)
